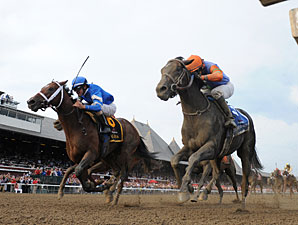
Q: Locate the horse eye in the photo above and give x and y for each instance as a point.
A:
(51, 89)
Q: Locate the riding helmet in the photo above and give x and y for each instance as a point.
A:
(78, 81)
(196, 63)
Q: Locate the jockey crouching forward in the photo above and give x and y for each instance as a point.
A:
(100, 102)
(217, 82)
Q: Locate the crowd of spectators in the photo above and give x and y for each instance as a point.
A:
(13, 183)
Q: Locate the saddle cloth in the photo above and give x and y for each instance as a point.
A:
(241, 120)
(116, 127)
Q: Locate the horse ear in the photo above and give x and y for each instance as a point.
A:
(63, 82)
(187, 62)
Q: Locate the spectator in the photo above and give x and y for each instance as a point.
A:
(37, 171)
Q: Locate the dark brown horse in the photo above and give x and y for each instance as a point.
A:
(227, 167)
(83, 143)
(203, 130)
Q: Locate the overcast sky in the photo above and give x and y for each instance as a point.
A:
(129, 41)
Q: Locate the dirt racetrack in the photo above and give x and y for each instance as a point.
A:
(144, 209)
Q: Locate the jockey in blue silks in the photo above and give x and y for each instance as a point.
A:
(100, 102)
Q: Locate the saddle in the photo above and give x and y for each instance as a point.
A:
(242, 126)
(116, 127)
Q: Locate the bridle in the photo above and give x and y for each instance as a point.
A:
(47, 100)
(175, 86)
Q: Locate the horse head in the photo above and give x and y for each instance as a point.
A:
(50, 95)
(174, 77)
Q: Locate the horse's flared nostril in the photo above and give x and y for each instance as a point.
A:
(30, 101)
(163, 88)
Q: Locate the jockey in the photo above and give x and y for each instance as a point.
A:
(217, 82)
(100, 102)
(277, 171)
(288, 168)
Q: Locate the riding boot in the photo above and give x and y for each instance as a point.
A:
(105, 145)
(105, 131)
(228, 114)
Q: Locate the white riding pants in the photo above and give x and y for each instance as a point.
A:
(225, 90)
(109, 110)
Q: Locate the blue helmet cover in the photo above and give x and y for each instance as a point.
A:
(79, 81)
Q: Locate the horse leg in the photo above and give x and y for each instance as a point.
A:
(98, 167)
(206, 152)
(246, 168)
(175, 162)
(232, 174)
(82, 173)
(215, 177)
(206, 172)
(220, 191)
(109, 192)
(120, 182)
(261, 187)
(284, 187)
(62, 184)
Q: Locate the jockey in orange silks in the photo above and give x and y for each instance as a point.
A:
(217, 82)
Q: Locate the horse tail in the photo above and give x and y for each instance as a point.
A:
(255, 162)
(143, 152)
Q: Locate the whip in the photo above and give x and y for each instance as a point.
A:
(79, 72)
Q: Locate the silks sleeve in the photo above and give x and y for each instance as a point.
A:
(216, 74)
(96, 103)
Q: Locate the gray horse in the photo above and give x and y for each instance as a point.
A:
(203, 130)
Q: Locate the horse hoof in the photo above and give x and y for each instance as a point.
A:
(183, 197)
(109, 198)
(60, 196)
(203, 196)
(194, 199)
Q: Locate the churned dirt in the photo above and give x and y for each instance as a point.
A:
(144, 209)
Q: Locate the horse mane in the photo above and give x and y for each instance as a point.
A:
(198, 82)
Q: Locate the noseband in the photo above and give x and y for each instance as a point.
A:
(175, 86)
(47, 100)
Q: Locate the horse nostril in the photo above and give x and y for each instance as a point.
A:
(163, 88)
(30, 102)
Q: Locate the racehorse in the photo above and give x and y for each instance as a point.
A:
(289, 181)
(255, 179)
(203, 130)
(277, 182)
(227, 167)
(83, 144)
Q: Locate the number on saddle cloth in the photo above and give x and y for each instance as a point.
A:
(116, 127)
